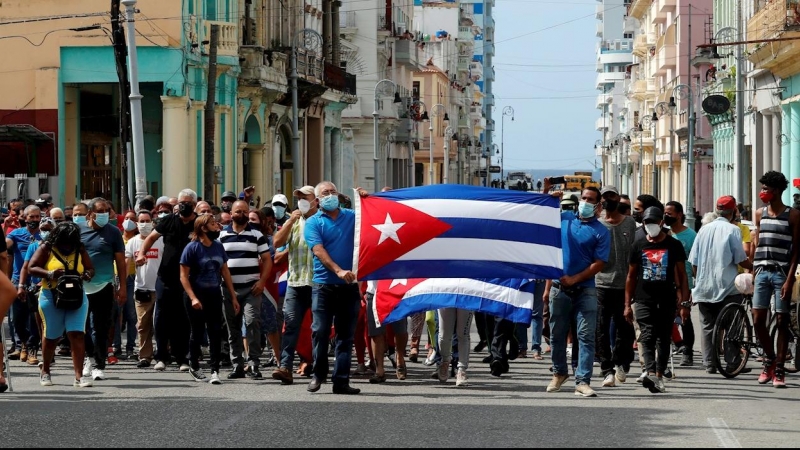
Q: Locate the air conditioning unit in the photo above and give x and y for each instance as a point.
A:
(401, 28)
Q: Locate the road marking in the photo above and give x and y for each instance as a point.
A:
(724, 434)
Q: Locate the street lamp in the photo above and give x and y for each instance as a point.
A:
(384, 88)
(646, 122)
(654, 119)
(668, 109)
(311, 42)
(435, 111)
(507, 111)
(415, 106)
(619, 141)
(448, 137)
(684, 91)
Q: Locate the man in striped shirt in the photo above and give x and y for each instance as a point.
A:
(250, 263)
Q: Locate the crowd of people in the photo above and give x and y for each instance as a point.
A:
(189, 275)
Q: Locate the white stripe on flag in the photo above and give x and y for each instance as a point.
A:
(479, 209)
(474, 288)
(466, 249)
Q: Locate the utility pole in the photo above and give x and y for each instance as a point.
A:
(690, 146)
(210, 117)
(136, 103)
(738, 150)
(121, 60)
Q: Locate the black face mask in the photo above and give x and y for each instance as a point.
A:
(185, 209)
(226, 207)
(33, 224)
(623, 208)
(213, 235)
(241, 220)
(670, 221)
(637, 216)
(610, 205)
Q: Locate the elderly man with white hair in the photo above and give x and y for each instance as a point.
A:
(172, 323)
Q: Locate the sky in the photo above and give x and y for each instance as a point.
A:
(535, 72)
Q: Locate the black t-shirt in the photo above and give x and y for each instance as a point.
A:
(656, 262)
(3, 246)
(176, 238)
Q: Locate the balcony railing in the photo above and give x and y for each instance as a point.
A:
(775, 18)
(337, 78)
(772, 17)
(465, 34)
(347, 19)
(384, 22)
(228, 37)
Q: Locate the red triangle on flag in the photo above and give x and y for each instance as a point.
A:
(390, 293)
(389, 230)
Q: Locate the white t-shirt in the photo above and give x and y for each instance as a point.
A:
(372, 287)
(147, 274)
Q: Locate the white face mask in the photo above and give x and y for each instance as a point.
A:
(652, 229)
(145, 228)
(304, 205)
(128, 225)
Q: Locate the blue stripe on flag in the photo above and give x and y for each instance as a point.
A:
(429, 302)
(530, 233)
(461, 192)
(462, 269)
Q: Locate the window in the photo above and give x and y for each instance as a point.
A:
(415, 90)
(211, 10)
(628, 35)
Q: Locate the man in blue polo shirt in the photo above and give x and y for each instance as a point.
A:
(586, 246)
(335, 297)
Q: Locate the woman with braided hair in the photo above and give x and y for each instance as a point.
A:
(62, 248)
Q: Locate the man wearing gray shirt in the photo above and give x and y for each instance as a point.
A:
(611, 292)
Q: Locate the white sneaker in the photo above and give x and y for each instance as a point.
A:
(184, 368)
(430, 360)
(87, 368)
(620, 375)
(569, 353)
(98, 375)
(642, 377)
(160, 366)
(609, 380)
(461, 377)
(44, 379)
(214, 378)
(83, 382)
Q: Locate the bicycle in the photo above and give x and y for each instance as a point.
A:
(733, 339)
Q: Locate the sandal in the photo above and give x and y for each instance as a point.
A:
(377, 379)
(537, 355)
(401, 372)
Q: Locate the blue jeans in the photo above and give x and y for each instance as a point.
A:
(128, 314)
(295, 305)
(767, 286)
(583, 307)
(337, 305)
(537, 321)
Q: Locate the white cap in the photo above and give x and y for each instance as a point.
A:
(280, 198)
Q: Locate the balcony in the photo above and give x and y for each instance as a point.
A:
(598, 11)
(475, 70)
(603, 99)
(475, 112)
(599, 32)
(467, 17)
(263, 68)
(775, 19)
(642, 43)
(604, 78)
(228, 37)
(637, 8)
(664, 8)
(642, 89)
(463, 64)
(347, 23)
(465, 34)
(602, 123)
(463, 121)
(336, 78)
(666, 58)
(407, 54)
(384, 21)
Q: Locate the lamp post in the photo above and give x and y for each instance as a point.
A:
(602, 146)
(619, 141)
(415, 106)
(654, 173)
(728, 35)
(646, 122)
(136, 103)
(668, 109)
(448, 137)
(435, 111)
(507, 111)
(384, 88)
(311, 42)
(684, 91)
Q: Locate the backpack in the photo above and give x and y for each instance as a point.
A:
(68, 293)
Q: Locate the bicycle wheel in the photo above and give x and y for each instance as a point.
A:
(792, 363)
(731, 340)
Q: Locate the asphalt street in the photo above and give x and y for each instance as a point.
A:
(142, 408)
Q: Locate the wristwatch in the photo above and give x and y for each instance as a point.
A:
(687, 304)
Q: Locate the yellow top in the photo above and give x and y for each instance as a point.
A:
(55, 264)
(746, 239)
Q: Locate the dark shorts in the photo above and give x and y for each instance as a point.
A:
(399, 327)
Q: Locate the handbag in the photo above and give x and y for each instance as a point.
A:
(68, 293)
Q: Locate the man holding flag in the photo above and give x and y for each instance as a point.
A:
(586, 247)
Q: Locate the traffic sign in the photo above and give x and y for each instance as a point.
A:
(494, 169)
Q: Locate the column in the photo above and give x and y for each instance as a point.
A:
(793, 136)
(327, 158)
(768, 140)
(757, 153)
(786, 131)
(336, 159)
(175, 145)
(775, 144)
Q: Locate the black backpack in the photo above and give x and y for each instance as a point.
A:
(68, 293)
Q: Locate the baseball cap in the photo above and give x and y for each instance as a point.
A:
(726, 202)
(609, 188)
(44, 199)
(280, 198)
(653, 214)
(228, 195)
(305, 190)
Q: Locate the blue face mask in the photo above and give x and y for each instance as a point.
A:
(329, 203)
(79, 219)
(280, 211)
(101, 219)
(44, 234)
(586, 210)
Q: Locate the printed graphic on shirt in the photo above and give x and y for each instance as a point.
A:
(151, 254)
(654, 264)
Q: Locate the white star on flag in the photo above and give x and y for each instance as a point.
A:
(403, 281)
(389, 230)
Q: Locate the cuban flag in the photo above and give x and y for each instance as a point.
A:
(510, 299)
(456, 231)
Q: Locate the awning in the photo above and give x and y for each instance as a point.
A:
(24, 133)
